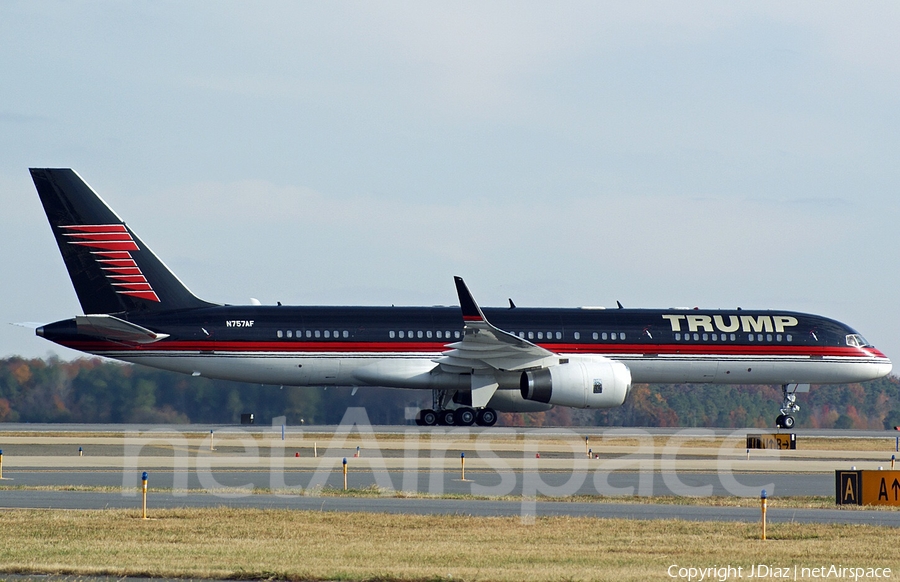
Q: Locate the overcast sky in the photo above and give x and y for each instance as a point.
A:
(562, 154)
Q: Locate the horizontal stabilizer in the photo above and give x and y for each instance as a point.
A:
(115, 329)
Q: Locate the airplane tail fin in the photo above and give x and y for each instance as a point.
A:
(111, 269)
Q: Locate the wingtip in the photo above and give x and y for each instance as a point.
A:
(470, 309)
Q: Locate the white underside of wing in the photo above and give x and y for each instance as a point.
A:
(485, 347)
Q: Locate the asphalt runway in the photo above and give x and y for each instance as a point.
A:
(40, 461)
(482, 508)
(593, 431)
(477, 483)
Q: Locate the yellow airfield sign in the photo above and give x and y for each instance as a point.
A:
(867, 487)
(783, 441)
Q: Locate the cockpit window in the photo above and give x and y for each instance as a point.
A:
(856, 341)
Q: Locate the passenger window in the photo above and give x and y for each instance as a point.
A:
(577, 335)
(391, 334)
(327, 334)
(419, 334)
(559, 335)
(750, 337)
(279, 333)
(428, 334)
(346, 334)
(790, 338)
(540, 335)
(705, 337)
(778, 337)
(530, 335)
(768, 337)
(732, 337)
(677, 336)
(456, 334)
(715, 337)
(604, 335)
(595, 336)
(696, 337)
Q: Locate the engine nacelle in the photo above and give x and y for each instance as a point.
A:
(579, 383)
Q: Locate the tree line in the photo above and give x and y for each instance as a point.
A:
(95, 390)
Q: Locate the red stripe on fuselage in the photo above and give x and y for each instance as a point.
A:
(304, 347)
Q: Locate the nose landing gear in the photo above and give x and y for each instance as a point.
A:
(789, 404)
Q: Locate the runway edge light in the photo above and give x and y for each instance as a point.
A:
(763, 501)
(144, 495)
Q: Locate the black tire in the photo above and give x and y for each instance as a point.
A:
(779, 421)
(464, 416)
(788, 421)
(486, 417)
(446, 418)
(428, 417)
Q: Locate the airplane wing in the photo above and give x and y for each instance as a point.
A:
(488, 348)
(485, 349)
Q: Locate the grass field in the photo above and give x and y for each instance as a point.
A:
(302, 545)
(794, 502)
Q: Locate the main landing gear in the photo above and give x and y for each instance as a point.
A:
(441, 414)
(464, 416)
(789, 404)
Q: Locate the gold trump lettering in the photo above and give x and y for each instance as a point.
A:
(746, 323)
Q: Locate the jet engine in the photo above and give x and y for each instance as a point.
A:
(579, 383)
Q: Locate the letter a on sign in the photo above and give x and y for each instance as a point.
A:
(847, 488)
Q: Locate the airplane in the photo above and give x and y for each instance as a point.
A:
(474, 361)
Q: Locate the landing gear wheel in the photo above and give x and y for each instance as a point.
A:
(486, 417)
(445, 418)
(427, 417)
(788, 405)
(464, 416)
